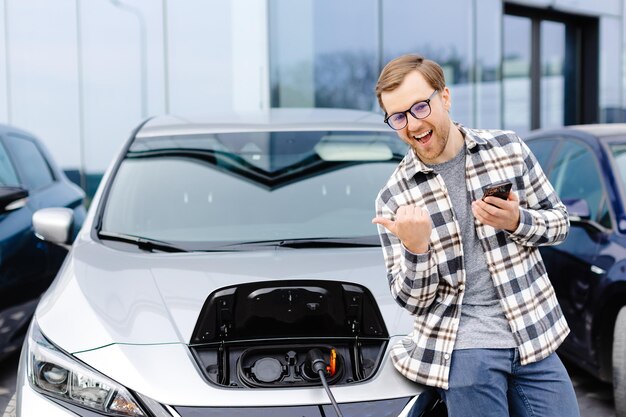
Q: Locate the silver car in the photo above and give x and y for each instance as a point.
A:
(226, 268)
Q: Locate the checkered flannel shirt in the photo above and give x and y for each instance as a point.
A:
(430, 286)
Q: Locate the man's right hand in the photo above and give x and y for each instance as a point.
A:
(412, 226)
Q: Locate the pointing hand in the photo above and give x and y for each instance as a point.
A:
(412, 226)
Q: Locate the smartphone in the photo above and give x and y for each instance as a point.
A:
(500, 190)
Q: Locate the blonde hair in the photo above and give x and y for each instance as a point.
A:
(394, 72)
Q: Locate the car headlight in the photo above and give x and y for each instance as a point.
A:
(57, 374)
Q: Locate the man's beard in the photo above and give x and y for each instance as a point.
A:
(440, 137)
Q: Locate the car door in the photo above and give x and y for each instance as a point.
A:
(574, 172)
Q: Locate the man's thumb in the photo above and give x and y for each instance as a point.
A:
(388, 224)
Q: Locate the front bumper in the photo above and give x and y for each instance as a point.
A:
(31, 403)
(387, 394)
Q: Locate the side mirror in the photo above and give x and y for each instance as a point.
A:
(12, 198)
(54, 225)
(578, 209)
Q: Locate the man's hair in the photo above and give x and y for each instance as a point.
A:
(394, 72)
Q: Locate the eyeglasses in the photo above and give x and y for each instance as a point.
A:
(419, 110)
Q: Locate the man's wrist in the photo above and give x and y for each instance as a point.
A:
(514, 225)
(417, 249)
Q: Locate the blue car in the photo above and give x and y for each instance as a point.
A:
(587, 167)
(29, 180)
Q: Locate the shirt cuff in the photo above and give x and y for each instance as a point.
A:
(526, 225)
(415, 261)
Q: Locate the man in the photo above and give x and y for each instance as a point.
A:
(487, 321)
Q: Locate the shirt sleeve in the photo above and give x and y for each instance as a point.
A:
(543, 218)
(413, 278)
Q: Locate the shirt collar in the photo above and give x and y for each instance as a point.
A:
(413, 164)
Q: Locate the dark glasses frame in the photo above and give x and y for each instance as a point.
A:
(406, 119)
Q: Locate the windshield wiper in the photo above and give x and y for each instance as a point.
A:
(318, 242)
(329, 242)
(142, 243)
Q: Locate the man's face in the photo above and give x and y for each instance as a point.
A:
(429, 136)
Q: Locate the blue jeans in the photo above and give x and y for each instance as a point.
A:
(492, 382)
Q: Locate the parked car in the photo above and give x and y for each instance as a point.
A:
(29, 180)
(226, 268)
(587, 167)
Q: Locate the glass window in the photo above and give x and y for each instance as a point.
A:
(542, 149)
(547, 70)
(200, 48)
(232, 188)
(516, 73)
(610, 70)
(7, 172)
(552, 74)
(42, 70)
(488, 58)
(412, 27)
(618, 150)
(319, 58)
(575, 175)
(33, 168)
(604, 214)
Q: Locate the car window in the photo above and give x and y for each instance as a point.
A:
(34, 169)
(575, 175)
(618, 151)
(542, 149)
(252, 186)
(8, 177)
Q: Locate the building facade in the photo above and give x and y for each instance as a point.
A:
(82, 73)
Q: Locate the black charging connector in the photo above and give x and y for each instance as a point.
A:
(315, 360)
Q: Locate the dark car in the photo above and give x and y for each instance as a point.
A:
(29, 181)
(587, 167)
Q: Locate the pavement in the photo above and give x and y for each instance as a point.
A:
(595, 399)
(8, 372)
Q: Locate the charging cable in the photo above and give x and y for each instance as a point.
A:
(315, 358)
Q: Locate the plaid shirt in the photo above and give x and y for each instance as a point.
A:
(431, 285)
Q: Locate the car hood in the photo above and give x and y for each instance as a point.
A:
(104, 296)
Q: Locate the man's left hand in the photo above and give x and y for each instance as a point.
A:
(498, 213)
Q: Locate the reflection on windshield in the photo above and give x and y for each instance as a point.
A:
(280, 188)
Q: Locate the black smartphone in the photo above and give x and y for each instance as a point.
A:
(500, 190)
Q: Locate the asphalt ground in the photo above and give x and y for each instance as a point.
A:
(594, 398)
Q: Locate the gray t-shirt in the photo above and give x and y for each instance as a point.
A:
(483, 324)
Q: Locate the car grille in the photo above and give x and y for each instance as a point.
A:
(383, 408)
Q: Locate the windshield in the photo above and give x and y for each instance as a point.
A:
(618, 150)
(251, 187)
